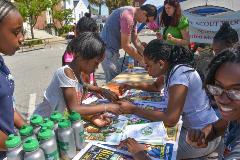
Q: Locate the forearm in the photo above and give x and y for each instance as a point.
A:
(90, 109)
(92, 88)
(144, 86)
(2, 141)
(18, 120)
(148, 114)
(218, 129)
(138, 45)
(168, 119)
(133, 53)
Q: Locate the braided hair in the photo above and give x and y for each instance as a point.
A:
(175, 55)
(226, 35)
(5, 7)
(229, 55)
(86, 24)
(87, 45)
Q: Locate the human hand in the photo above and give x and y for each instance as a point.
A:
(123, 88)
(132, 145)
(199, 138)
(101, 120)
(126, 107)
(110, 95)
(169, 37)
(113, 108)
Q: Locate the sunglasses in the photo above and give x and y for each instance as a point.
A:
(218, 91)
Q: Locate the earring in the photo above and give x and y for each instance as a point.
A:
(161, 67)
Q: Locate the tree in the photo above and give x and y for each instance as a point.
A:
(31, 10)
(63, 16)
(98, 3)
(114, 4)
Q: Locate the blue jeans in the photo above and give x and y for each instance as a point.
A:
(111, 65)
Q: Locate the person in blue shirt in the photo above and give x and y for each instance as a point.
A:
(183, 92)
(223, 82)
(11, 37)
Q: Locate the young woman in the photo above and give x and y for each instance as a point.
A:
(223, 82)
(225, 37)
(183, 92)
(86, 24)
(66, 88)
(175, 25)
(11, 38)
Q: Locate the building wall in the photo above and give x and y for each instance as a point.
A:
(79, 8)
(138, 3)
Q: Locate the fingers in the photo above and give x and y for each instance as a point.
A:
(196, 138)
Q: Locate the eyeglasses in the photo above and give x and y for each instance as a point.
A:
(218, 91)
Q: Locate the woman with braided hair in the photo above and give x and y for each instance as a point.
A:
(11, 38)
(183, 93)
(223, 82)
(225, 37)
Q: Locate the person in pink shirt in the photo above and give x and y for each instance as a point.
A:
(119, 32)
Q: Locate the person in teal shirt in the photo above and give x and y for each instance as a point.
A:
(174, 23)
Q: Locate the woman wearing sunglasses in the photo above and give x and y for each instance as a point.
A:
(223, 82)
(174, 23)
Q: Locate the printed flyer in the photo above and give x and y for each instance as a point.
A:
(94, 151)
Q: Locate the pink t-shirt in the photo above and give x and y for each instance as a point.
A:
(127, 22)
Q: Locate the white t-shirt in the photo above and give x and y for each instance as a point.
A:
(197, 112)
(53, 96)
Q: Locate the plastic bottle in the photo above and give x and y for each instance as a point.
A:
(26, 131)
(56, 117)
(130, 64)
(32, 150)
(78, 128)
(66, 141)
(14, 148)
(48, 144)
(36, 121)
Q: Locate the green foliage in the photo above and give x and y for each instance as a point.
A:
(64, 15)
(65, 29)
(31, 9)
(32, 42)
(114, 4)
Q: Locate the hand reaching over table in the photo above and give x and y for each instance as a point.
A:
(110, 95)
(137, 150)
(123, 88)
(126, 107)
(101, 120)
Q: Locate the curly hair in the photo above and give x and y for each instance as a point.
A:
(175, 55)
(226, 35)
(5, 7)
(229, 55)
(166, 20)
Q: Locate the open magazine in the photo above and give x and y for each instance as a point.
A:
(94, 151)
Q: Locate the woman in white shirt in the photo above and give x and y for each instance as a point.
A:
(66, 88)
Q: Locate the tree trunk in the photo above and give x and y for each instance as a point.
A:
(100, 9)
(32, 34)
(31, 26)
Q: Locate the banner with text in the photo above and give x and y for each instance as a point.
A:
(202, 29)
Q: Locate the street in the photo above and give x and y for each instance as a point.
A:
(34, 70)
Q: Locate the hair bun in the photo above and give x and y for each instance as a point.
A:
(225, 27)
